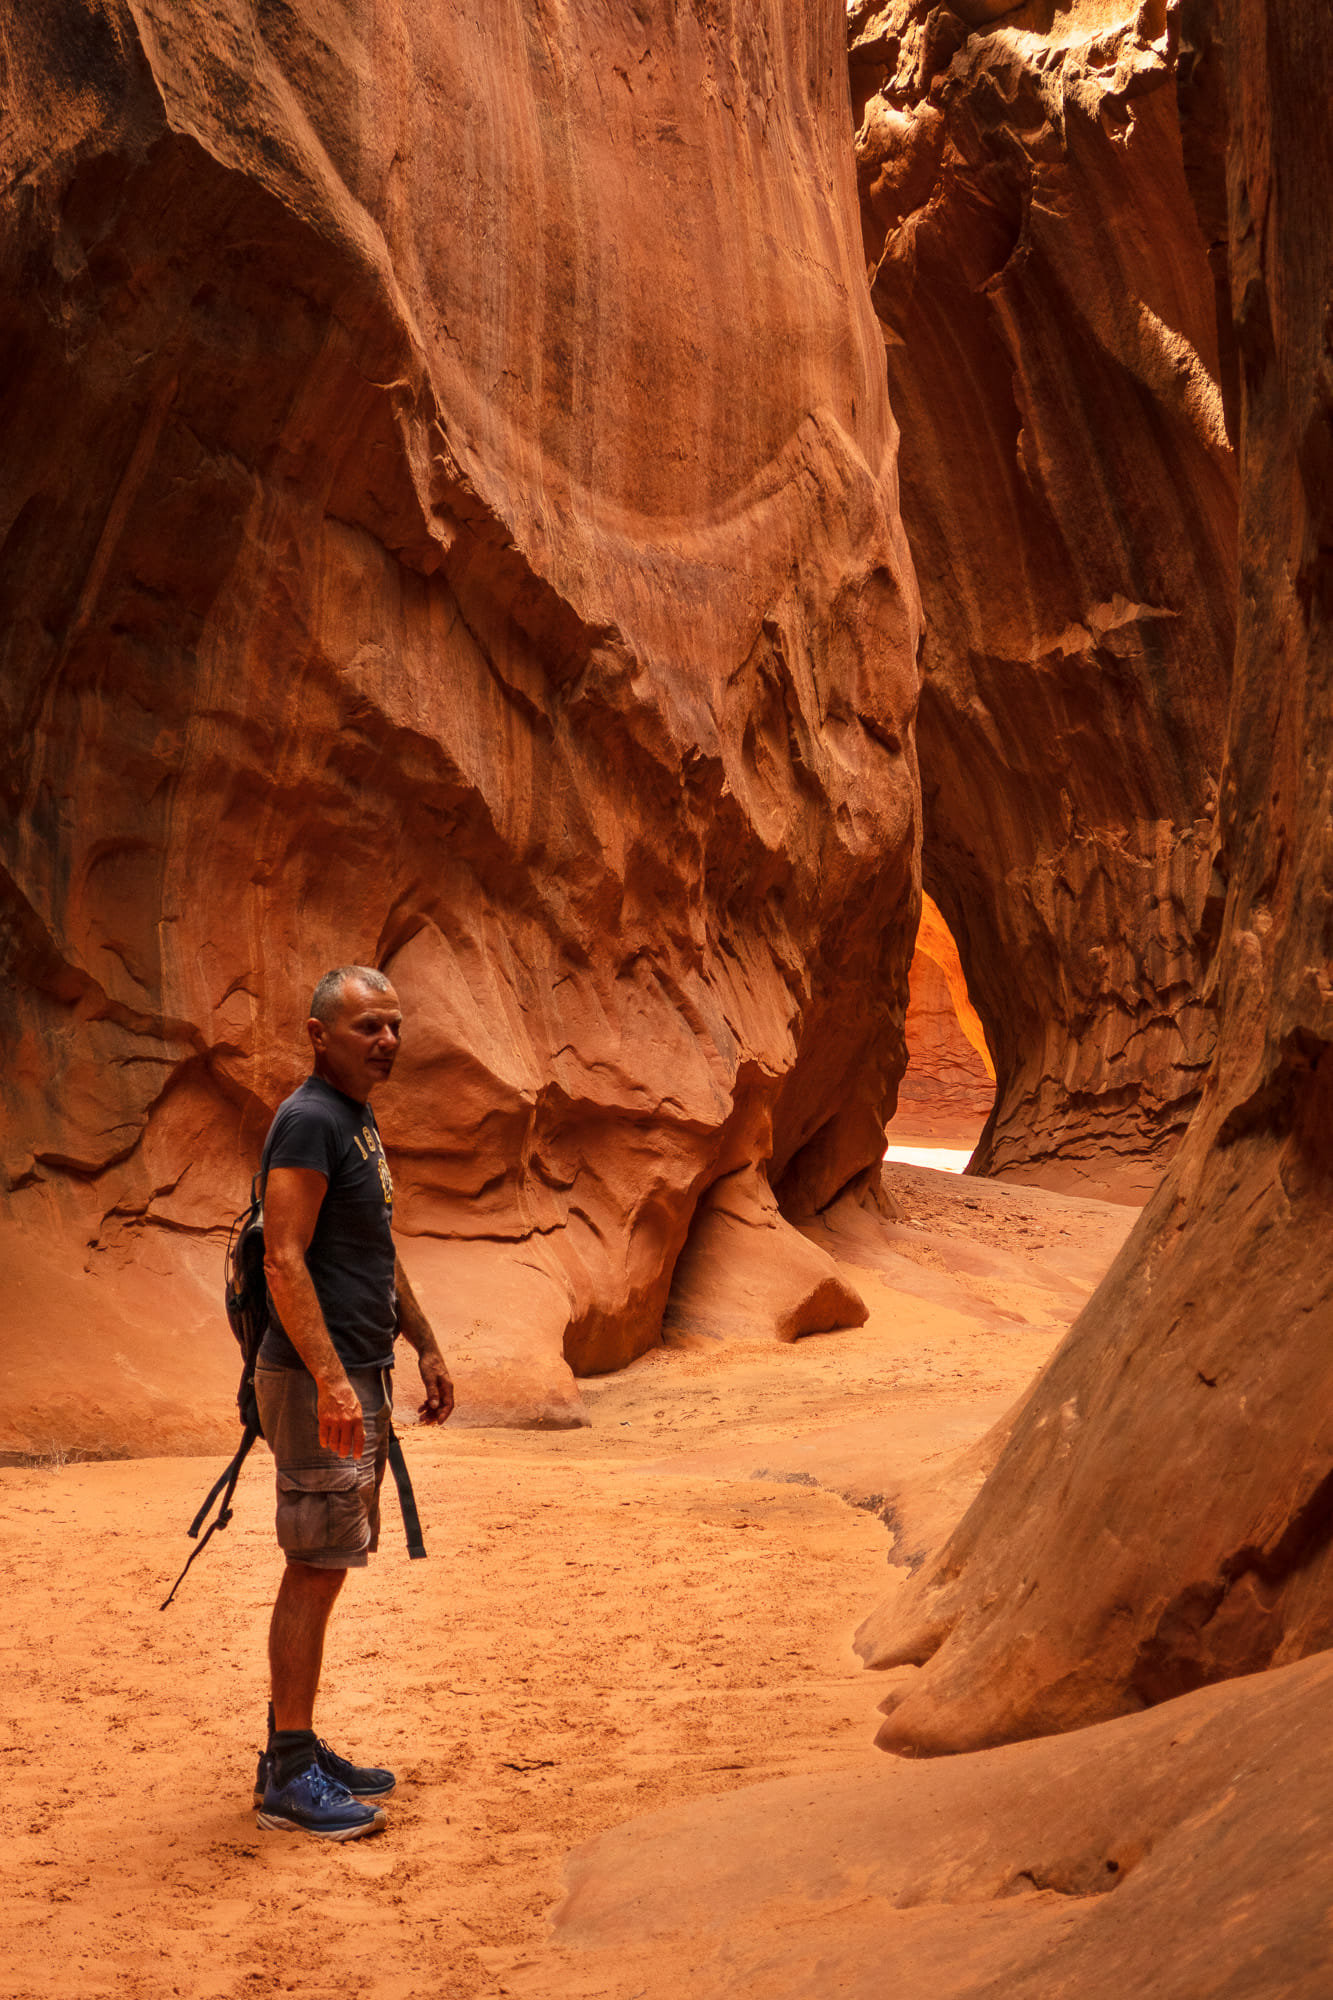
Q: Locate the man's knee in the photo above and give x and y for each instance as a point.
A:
(313, 1579)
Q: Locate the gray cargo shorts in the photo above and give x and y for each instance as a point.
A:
(328, 1507)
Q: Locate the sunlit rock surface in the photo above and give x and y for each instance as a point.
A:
(949, 1089)
(1163, 1514)
(1043, 228)
(450, 520)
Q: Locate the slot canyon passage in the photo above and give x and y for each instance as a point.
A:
(608, 512)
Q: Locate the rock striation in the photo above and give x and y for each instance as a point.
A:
(1044, 237)
(450, 521)
(1162, 1516)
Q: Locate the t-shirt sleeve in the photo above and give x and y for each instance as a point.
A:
(306, 1135)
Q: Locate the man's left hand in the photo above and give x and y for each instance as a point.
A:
(439, 1388)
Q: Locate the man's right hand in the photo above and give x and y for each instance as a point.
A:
(342, 1428)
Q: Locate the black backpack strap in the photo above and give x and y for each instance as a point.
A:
(227, 1480)
(407, 1499)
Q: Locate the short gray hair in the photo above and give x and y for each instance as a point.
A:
(328, 995)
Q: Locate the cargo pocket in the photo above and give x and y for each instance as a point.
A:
(321, 1508)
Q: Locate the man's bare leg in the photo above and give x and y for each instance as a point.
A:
(296, 1641)
(295, 1789)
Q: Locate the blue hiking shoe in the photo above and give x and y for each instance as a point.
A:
(313, 1802)
(363, 1781)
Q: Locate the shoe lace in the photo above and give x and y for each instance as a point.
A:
(345, 1765)
(326, 1789)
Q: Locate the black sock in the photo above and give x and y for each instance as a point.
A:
(272, 1725)
(292, 1751)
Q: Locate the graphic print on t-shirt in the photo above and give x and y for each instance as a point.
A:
(381, 1163)
(373, 1150)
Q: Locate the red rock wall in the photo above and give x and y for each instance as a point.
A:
(1039, 220)
(946, 1095)
(449, 521)
(948, 1091)
(1163, 1514)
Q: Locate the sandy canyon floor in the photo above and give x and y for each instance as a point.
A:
(612, 1621)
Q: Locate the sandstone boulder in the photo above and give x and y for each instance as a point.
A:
(746, 1273)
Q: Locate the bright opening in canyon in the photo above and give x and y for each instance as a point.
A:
(948, 1088)
(694, 553)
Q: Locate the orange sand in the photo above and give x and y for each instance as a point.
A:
(612, 1620)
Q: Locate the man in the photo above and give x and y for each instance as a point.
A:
(337, 1297)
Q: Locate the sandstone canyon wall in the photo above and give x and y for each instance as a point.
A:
(1044, 233)
(1162, 1516)
(449, 520)
(949, 1089)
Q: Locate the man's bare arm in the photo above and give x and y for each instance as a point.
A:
(292, 1198)
(416, 1329)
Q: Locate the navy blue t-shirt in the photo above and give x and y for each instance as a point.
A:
(350, 1258)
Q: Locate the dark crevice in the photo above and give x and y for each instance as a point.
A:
(1306, 1535)
(1182, 1654)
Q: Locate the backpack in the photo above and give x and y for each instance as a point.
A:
(246, 1299)
(245, 1296)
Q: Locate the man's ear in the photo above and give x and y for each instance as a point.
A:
(316, 1031)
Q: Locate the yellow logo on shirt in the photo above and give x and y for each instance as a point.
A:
(372, 1139)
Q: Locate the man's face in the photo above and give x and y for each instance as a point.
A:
(358, 1048)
